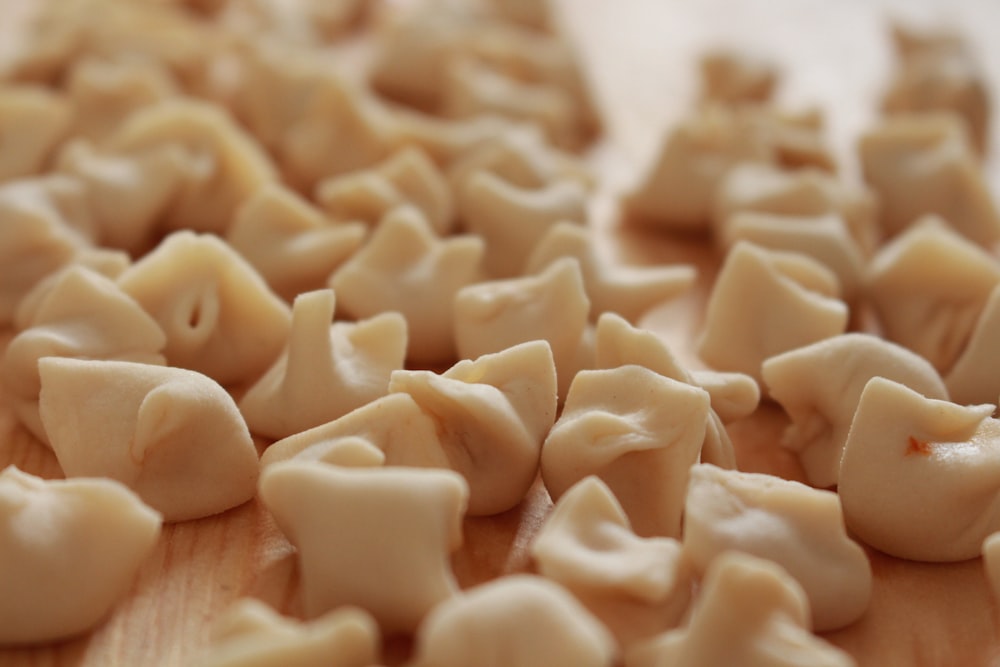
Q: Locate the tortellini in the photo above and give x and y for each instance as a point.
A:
(975, 375)
(33, 121)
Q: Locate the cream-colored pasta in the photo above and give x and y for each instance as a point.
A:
(798, 527)
(71, 550)
(638, 431)
(407, 177)
(515, 621)
(975, 375)
(991, 563)
(628, 291)
(928, 287)
(445, 140)
(406, 268)
(339, 519)
(491, 415)
(920, 164)
(920, 478)
(512, 220)
(251, 634)
(819, 385)
(638, 587)
(32, 121)
(172, 435)
(326, 370)
(291, 243)
(767, 302)
(82, 315)
(797, 138)
(220, 317)
(736, 77)
(749, 612)
(551, 306)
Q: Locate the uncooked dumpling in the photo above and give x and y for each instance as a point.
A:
(32, 122)
(975, 375)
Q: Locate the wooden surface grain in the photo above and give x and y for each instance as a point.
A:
(639, 57)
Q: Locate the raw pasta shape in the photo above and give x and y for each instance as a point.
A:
(920, 164)
(736, 77)
(292, 245)
(749, 613)
(767, 302)
(491, 416)
(798, 527)
(82, 315)
(551, 306)
(251, 634)
(638, 587)
(172, 435)
(920, 478)
(32, 122)
(628, 291)
(325, 371)
(928, 287)
(819, 386)
(407, 177)
(797, 138)
(339, 518)
(515, 621)
(975, 375)
(71, 550)
(406, 268)
(639, 432)
(219, 315)
(513, 220)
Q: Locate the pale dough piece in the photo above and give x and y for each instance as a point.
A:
(764, 303)
(230, 165)
(33, 121)
(638, 431)
(290, 242)
(82, 315)
(975, 375)
(626, 290)
(920, 164)
(797, 138)
(749, 612)
(928, 287)
(824, 237)
(220, 317)
(515, 621)
(325, 370)
(251, 634)
(340, 518)
(920, 478)
(512, 220)
(446, 140)
(405, 267)
(736, 77)
(407, 177)
(172, 435)
(305, 23)
(819, 385)
(551, 306)
(491, 415)
(637, 587)
(71, 550)
(797, 527)
(991, 562)
(801, 193)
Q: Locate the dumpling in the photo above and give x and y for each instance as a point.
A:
(406, 268)
(251, 634)
(82, 315)
(71, 550)
(736, 77)
(340, 519)
(512, 220)
(515, 621)
(928, 287)
(975, 375)
(290, 243)
(819, 385)
(491, 416)
(638, 431)
(920, 164)
(750, 613)
(637, 587)
(797, 527)
(219, 315)
(767, 302)
(172, 435)
(326, 370)
(33, 121)
(920, 478)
